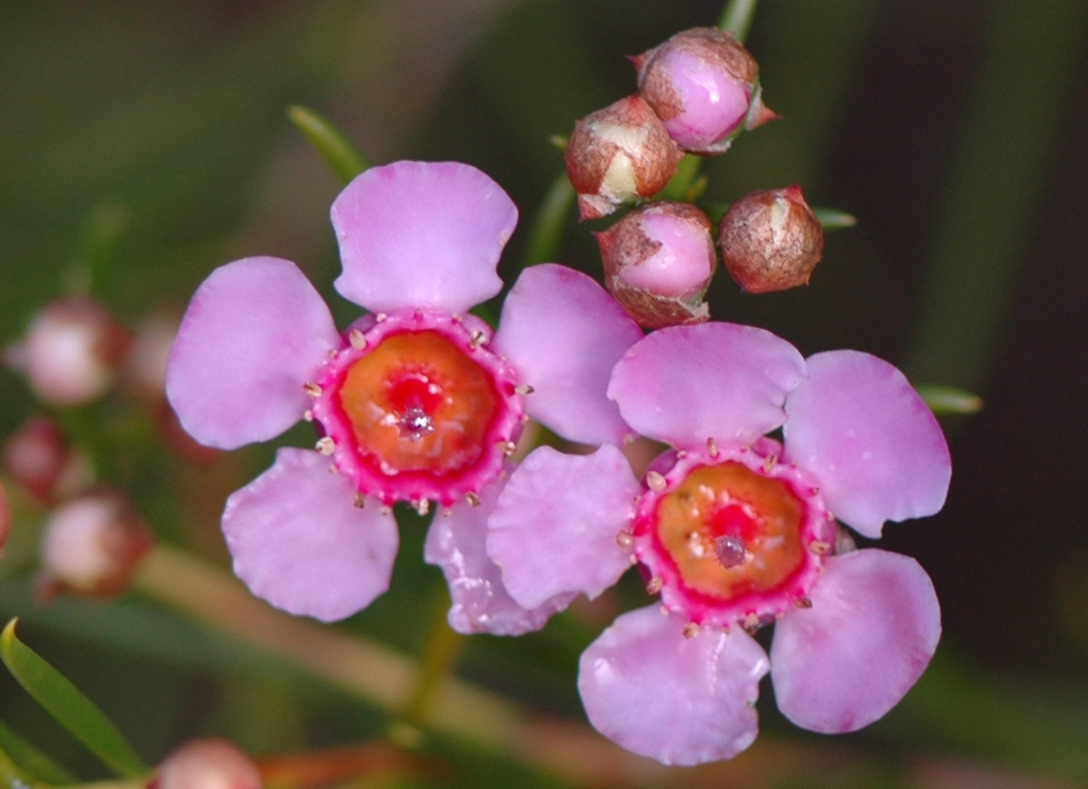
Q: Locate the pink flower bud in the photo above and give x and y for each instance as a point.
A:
(92, 545)
(5, 519)
(658, 261)
(618, 154)
(71, 352)
(39, 459)
(704, 85)
(144, 373)
(770, 240)
(207, 764)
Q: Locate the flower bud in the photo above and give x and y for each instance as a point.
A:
(71, 352)
(144, 372)
(39, 459)
(5, 519)
(92, 545)
(771, 240)
(618, 154)
(658, 261)
(207, 764)
(704, 85)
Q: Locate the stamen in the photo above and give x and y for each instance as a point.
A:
(312, 389)
(711, 447)
(819, 547)
(357, 339)
(476, 339)
(624, 539)
(803, 602)
(414, 424)
(422, 507)
(308, 415)
(655, 481)
(654, 585)
(472, 499)
(690, 630)
(326, 446)
(523, 389)
(769, 463)
(729, 550)
(360, 500)
(507, 447)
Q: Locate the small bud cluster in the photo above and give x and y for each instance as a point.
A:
(696, 92)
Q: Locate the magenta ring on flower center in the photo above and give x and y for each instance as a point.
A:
(732, 536)
(417, 407)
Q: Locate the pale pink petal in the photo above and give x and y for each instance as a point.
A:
(421, 234)
(563, 333)
(859, 427)
(872, 628)
(299, 542)
(685, 384)
(481, 604)
(254, 333)
(675, 699)
(554, 528)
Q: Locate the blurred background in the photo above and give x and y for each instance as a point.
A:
(957, 134)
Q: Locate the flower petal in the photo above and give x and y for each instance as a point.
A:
(481, 604)
(563, 333)
(299, 542)
(870, 633)
(685, 384)
(254, 333)
(675, 699)
(421, 235)
(554, 528)
(875, 446)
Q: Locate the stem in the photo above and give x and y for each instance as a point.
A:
(444, 646)
(550, 221)
(737, 18)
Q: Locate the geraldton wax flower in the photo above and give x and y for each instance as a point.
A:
(736, 531)
(416, 401)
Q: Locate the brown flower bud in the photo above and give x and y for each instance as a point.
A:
(771, 240)
(92, 545)
(71, 352)
(207, 764)
(658, 261)
(618, 154)
(39, 459)
(704, 86)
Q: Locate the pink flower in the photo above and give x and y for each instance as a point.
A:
(416, 401)
(736, 531)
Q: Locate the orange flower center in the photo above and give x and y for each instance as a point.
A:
(731, 531)
(418, 403)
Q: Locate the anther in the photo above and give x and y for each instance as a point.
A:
(769, 463)
(472, 499)
(507, 447)
(476, 340)
(690, 630)
(326, 446)
(523, 389)
(308, 415)
(655, 481)
(386, 510)
(624, 539)
(711, 447)
(381, 316)
(334, 469)
(751, 623)
(360, 500)
(681, 454)
(313, 390)
(422, 507)
(819, 547)
(357, 339)
(803, 602)
(653, 586)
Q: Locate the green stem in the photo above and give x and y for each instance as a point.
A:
(440, 654)
(737, 17)
(546, 237)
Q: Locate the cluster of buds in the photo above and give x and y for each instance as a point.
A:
(39, 458)
(697, 91)
(207, 764)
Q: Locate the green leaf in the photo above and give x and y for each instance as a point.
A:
(832, 219)
(546, 237)
(30, 760)
(69, 706)
(340, 154)
(949, 400)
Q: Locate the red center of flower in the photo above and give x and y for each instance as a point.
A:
(731, 531)
(417, 403)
